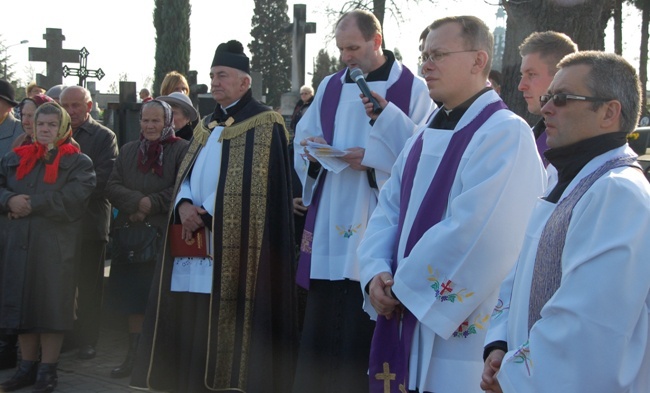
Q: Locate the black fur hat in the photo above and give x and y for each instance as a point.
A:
(231, 54)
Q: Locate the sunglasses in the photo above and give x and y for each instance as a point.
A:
(560, 99)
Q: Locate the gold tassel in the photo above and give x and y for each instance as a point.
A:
(269, 117)
(201, 133)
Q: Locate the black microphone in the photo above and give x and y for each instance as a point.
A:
(357, 75)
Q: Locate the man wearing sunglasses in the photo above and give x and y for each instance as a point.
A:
(577, 319)
(449, 223)
(540, 52)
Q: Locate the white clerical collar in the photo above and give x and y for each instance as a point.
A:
(229, 106)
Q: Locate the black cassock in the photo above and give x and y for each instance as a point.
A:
(243, 336)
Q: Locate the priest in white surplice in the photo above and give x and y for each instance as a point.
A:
(574, 316)
(449, 223)
(336, 334)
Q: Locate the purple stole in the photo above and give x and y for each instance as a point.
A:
(399, 94)
(542, 147)
(390, 351)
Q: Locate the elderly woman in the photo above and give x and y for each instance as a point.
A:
(43, 189)
(141, 187)
(185, 115)
(27, 109)
(306, 98)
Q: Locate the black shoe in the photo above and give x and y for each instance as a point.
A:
(125, 369)
(25, 376)
(7, 359)
(46, 378)
(8, 351)
(86, 352)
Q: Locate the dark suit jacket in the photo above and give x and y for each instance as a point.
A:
(99, 143)
(10, 129)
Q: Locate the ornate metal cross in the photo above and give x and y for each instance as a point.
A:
(83, 72)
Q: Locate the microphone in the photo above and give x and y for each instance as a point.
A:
(357, 75)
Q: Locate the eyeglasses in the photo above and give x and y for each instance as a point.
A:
(560, 99)
(435, 57)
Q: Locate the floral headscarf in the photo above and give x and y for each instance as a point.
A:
(150, 153)
(37, 100)
(30, 154)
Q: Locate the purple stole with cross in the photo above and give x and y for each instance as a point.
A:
(399, 94)
(390, 350)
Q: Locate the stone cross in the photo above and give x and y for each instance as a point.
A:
(300, 29)
(54, 55)
(83, 72)
(125, 114)
(94, 112)
(195, 88)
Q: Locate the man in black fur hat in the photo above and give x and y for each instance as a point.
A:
(227, 322)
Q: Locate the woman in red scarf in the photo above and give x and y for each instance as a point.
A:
(140, 188)
(44, 187)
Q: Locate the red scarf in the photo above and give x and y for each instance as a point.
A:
(30, 154)
(150, 154)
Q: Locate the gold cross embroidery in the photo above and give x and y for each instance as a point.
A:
(386, 376)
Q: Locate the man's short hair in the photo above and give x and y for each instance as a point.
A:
(307, 89)
(550, 45)
(475, 33)
(145, 91)
(610, 76)
(423, 38)
(367, 23)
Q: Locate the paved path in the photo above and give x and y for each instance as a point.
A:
(91, 376)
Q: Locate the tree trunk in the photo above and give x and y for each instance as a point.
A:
(618, 27)
(584, 23)
(643, 55)
(379, 9)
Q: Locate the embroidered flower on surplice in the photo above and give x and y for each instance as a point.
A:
(466, 329)
(522, 356)
(499, 309)
(347, 233)
(444, 289)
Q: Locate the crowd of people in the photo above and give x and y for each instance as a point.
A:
(422, 239)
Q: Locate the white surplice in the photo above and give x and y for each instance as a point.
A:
(451, 278)
(594, 333)
(347, 200)
(192, 274)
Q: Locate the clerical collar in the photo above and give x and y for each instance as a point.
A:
(381, 73)
(539, 128)
(569, 160)
(447, 119)
(221, 114)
